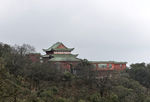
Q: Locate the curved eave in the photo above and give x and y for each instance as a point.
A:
(45, 55)
(45, 50)
(64, 57)
(65, 60)
(76, 55)
(57, 49)
(71, 49)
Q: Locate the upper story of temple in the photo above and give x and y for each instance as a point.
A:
(60, 53)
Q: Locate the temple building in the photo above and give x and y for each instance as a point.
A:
(59, 53)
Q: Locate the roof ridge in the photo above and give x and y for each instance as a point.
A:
(56, 45)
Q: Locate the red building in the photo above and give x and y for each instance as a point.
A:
(109, 65)
(59, 53)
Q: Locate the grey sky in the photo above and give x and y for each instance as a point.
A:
(98, 29)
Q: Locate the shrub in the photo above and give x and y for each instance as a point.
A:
(95, 97)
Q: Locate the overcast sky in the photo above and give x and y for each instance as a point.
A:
(99, 30)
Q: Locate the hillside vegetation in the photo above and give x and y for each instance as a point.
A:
(22, 80)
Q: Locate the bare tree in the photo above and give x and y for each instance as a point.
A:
(24, 49)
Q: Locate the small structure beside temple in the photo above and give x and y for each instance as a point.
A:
(109, 65)
(60, 54)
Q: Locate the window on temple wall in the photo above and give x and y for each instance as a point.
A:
(120, 65)
(102, 65)
(110, 65)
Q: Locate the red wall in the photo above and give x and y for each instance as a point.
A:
(119, 66)
(61, 46)
(34, 57)
(115, 66)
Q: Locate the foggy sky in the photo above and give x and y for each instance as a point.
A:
(100, 30)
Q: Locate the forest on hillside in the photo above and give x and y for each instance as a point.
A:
(22, 80)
